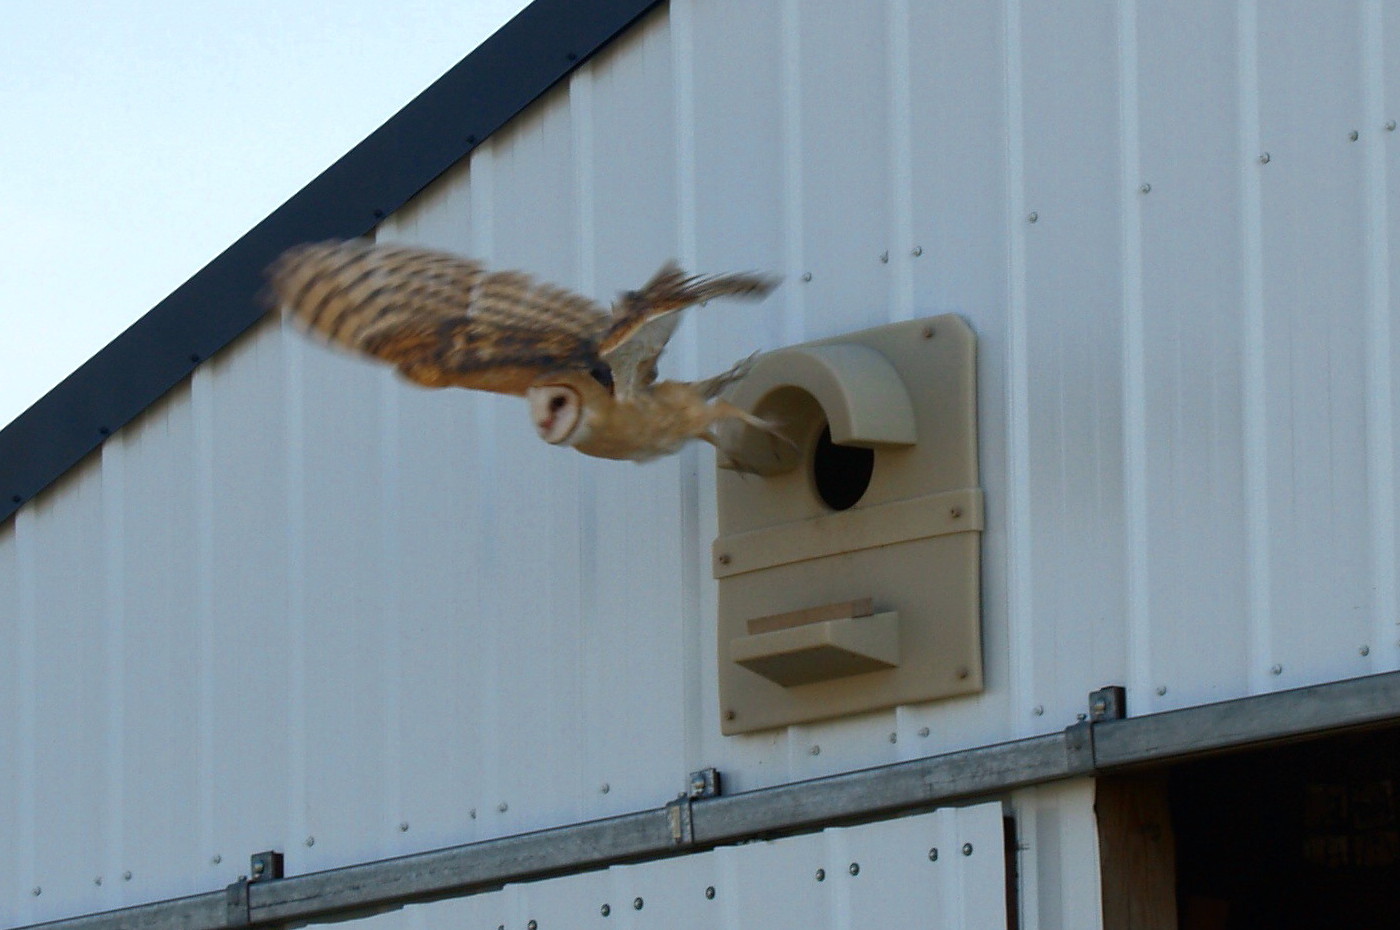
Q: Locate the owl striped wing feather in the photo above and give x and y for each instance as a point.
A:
(441, 319)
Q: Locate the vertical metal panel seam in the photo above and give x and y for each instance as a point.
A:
(586, 660)
(1020, 598)
(1135, 464)
(390, 625)
(1380, 412)
(482, 182)
(693, 554)
(113, 625)
(901, 168)
(294, 383)
(794, 326)
(25, 530)
(1256, 440)
(203, 384)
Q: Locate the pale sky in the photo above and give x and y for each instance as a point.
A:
(139, 138)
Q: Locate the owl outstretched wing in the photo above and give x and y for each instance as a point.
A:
(643, 321)
(441, 319)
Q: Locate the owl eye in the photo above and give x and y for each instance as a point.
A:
(556, 403)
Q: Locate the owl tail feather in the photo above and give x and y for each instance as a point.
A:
(749, 457)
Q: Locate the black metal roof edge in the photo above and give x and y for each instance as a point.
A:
(503, 76)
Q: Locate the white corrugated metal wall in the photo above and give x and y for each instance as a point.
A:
(300, 605)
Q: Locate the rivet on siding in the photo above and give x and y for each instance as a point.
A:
(605, 787)
(636, 904)
(1265, 158)
(955, 513)
(471, 140)
(15, 498)
(605, 910)
(1038, 710)
(933, 854)
(730, 715)
(311, 841)
(503, 807)
(104, 431)
(923, 731)
(1032, 217)
(194, 357)
(1390, 125)
(378, 214)
(821, 875)
(806, 276)
(97, 881)
(403, 826)
(572, 56)
(854, 868)
(967, 849)
(1276, 669)
(1365, 650)
(1353, 135)
(37, 891)
(927, 332)
(710, 892)
(126, 876)
(918, 250)
(894, 737)
(1161, 690)
(963, 671)
(472, 813)
(724, 558)
(532, 925)
(215, 859)
(884, 258)
(1145, 188)
(815, 750)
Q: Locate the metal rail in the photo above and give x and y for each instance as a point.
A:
(689, 825)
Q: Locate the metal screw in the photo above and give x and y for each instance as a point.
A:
(605, 787)
(927, 332)
(472, 813)
(723, 558)
(1390, 125)
(884, 258)
(955, 513)
(216, 859)
(311, 841)
(97, 880)
(963, 671)
(126, 876)
(923, 731)
(605, 910)
(1365, 650)
(933, 854)
(1265, 158)
(854, 868)
(710, 892)
(806, 276)
(821, 875)
(403, 826)
(503, 807)
(1146, 188)
(1353, 135)
(1161, 690)
(532, 925)
(730, 715)
(636, 904)
(967, 849)
(918, 250)
(815, 750)
(37, 891)
(894, 737)
(1038, 710)
(1276, 669)
(1033, 217)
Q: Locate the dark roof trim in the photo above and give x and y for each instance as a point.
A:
(511, 69)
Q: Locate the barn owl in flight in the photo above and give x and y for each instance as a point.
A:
(589, 376)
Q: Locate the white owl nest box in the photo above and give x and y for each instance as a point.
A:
(849, 569)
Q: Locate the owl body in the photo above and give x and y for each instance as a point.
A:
(589, 376)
